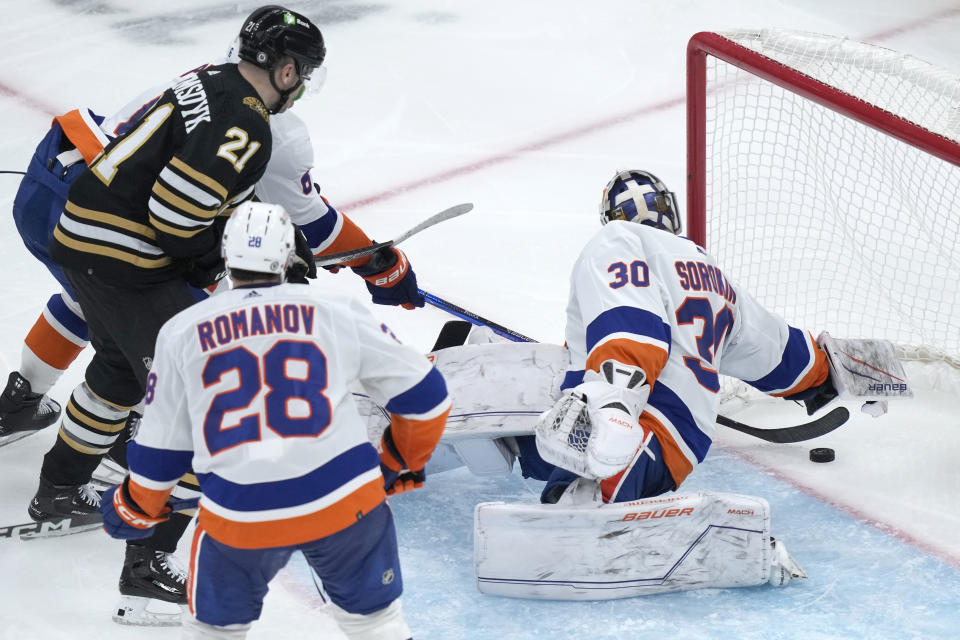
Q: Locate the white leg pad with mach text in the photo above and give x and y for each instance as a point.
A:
(600, 552)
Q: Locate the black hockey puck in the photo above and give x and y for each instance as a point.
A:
(822, 455)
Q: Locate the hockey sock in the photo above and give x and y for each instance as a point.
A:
(167, 534)
(90, 427)
(53, 343)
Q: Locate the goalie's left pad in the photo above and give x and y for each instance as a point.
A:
(668, 543)
(496, 390)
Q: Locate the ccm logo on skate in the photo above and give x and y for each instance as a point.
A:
(661, 513)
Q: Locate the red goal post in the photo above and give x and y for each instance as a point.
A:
(824, 174)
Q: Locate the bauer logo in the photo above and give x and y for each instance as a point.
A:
(658, 513)
(887, 387)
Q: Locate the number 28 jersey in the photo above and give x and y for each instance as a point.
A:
(253, 388)
(645, 297)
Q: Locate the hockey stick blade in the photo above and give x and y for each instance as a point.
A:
(353, 254)
(785, 435)
(15, 437)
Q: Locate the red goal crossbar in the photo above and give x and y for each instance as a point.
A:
(706, 43)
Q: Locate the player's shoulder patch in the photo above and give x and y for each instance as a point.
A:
(257, 106)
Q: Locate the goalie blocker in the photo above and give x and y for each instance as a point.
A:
(656, 545)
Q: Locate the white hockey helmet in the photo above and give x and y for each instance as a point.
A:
(640, 196)
(259, 237)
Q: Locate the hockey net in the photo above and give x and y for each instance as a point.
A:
(825, 178)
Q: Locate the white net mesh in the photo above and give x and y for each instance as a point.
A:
(831, 223)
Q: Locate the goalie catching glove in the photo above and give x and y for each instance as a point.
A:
(593, 429)
(123, 517)
(390, 279)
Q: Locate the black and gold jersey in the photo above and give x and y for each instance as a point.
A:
(144, 209)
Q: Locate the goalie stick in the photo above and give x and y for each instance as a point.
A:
(353, 254)
(783, 435)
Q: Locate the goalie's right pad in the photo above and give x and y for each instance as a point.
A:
(593, 429)
(668, 543)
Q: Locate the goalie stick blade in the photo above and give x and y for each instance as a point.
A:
(785, 435)
(353, 254)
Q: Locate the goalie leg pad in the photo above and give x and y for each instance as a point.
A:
(684, 541)
(497, 389)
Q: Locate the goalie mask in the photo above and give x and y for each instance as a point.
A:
(640, 196)
(259, 237)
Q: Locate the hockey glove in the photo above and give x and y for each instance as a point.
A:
(390, 279)
(396, 477)
(303, 266)
(206, 270)
(815, 398)
(395, 482)
(123, 518)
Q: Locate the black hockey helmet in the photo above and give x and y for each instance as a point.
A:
(639, 196)
(272, 32)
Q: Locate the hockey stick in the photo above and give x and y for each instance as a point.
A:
(469, 316)
(799, 433)
(353, 254)
(20, 173)
(784, 435)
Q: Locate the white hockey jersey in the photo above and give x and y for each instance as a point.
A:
(252, 388)
(645, 297)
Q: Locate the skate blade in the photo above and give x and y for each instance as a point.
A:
(15, 436)
(58, 529)
(147, 612)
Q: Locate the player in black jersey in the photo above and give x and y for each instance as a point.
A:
(143, 221)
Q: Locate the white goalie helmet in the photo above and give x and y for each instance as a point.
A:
(259, 237)
(640, 196)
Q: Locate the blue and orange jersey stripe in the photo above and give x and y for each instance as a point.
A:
(83, 132)
(631, 336)
(802, 366)
(349, 237)
(294, 530)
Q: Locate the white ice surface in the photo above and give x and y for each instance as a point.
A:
(524, 109)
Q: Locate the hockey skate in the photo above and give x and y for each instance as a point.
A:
(783, 568)
(77, 504)
(22, 411)
(153, 588)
